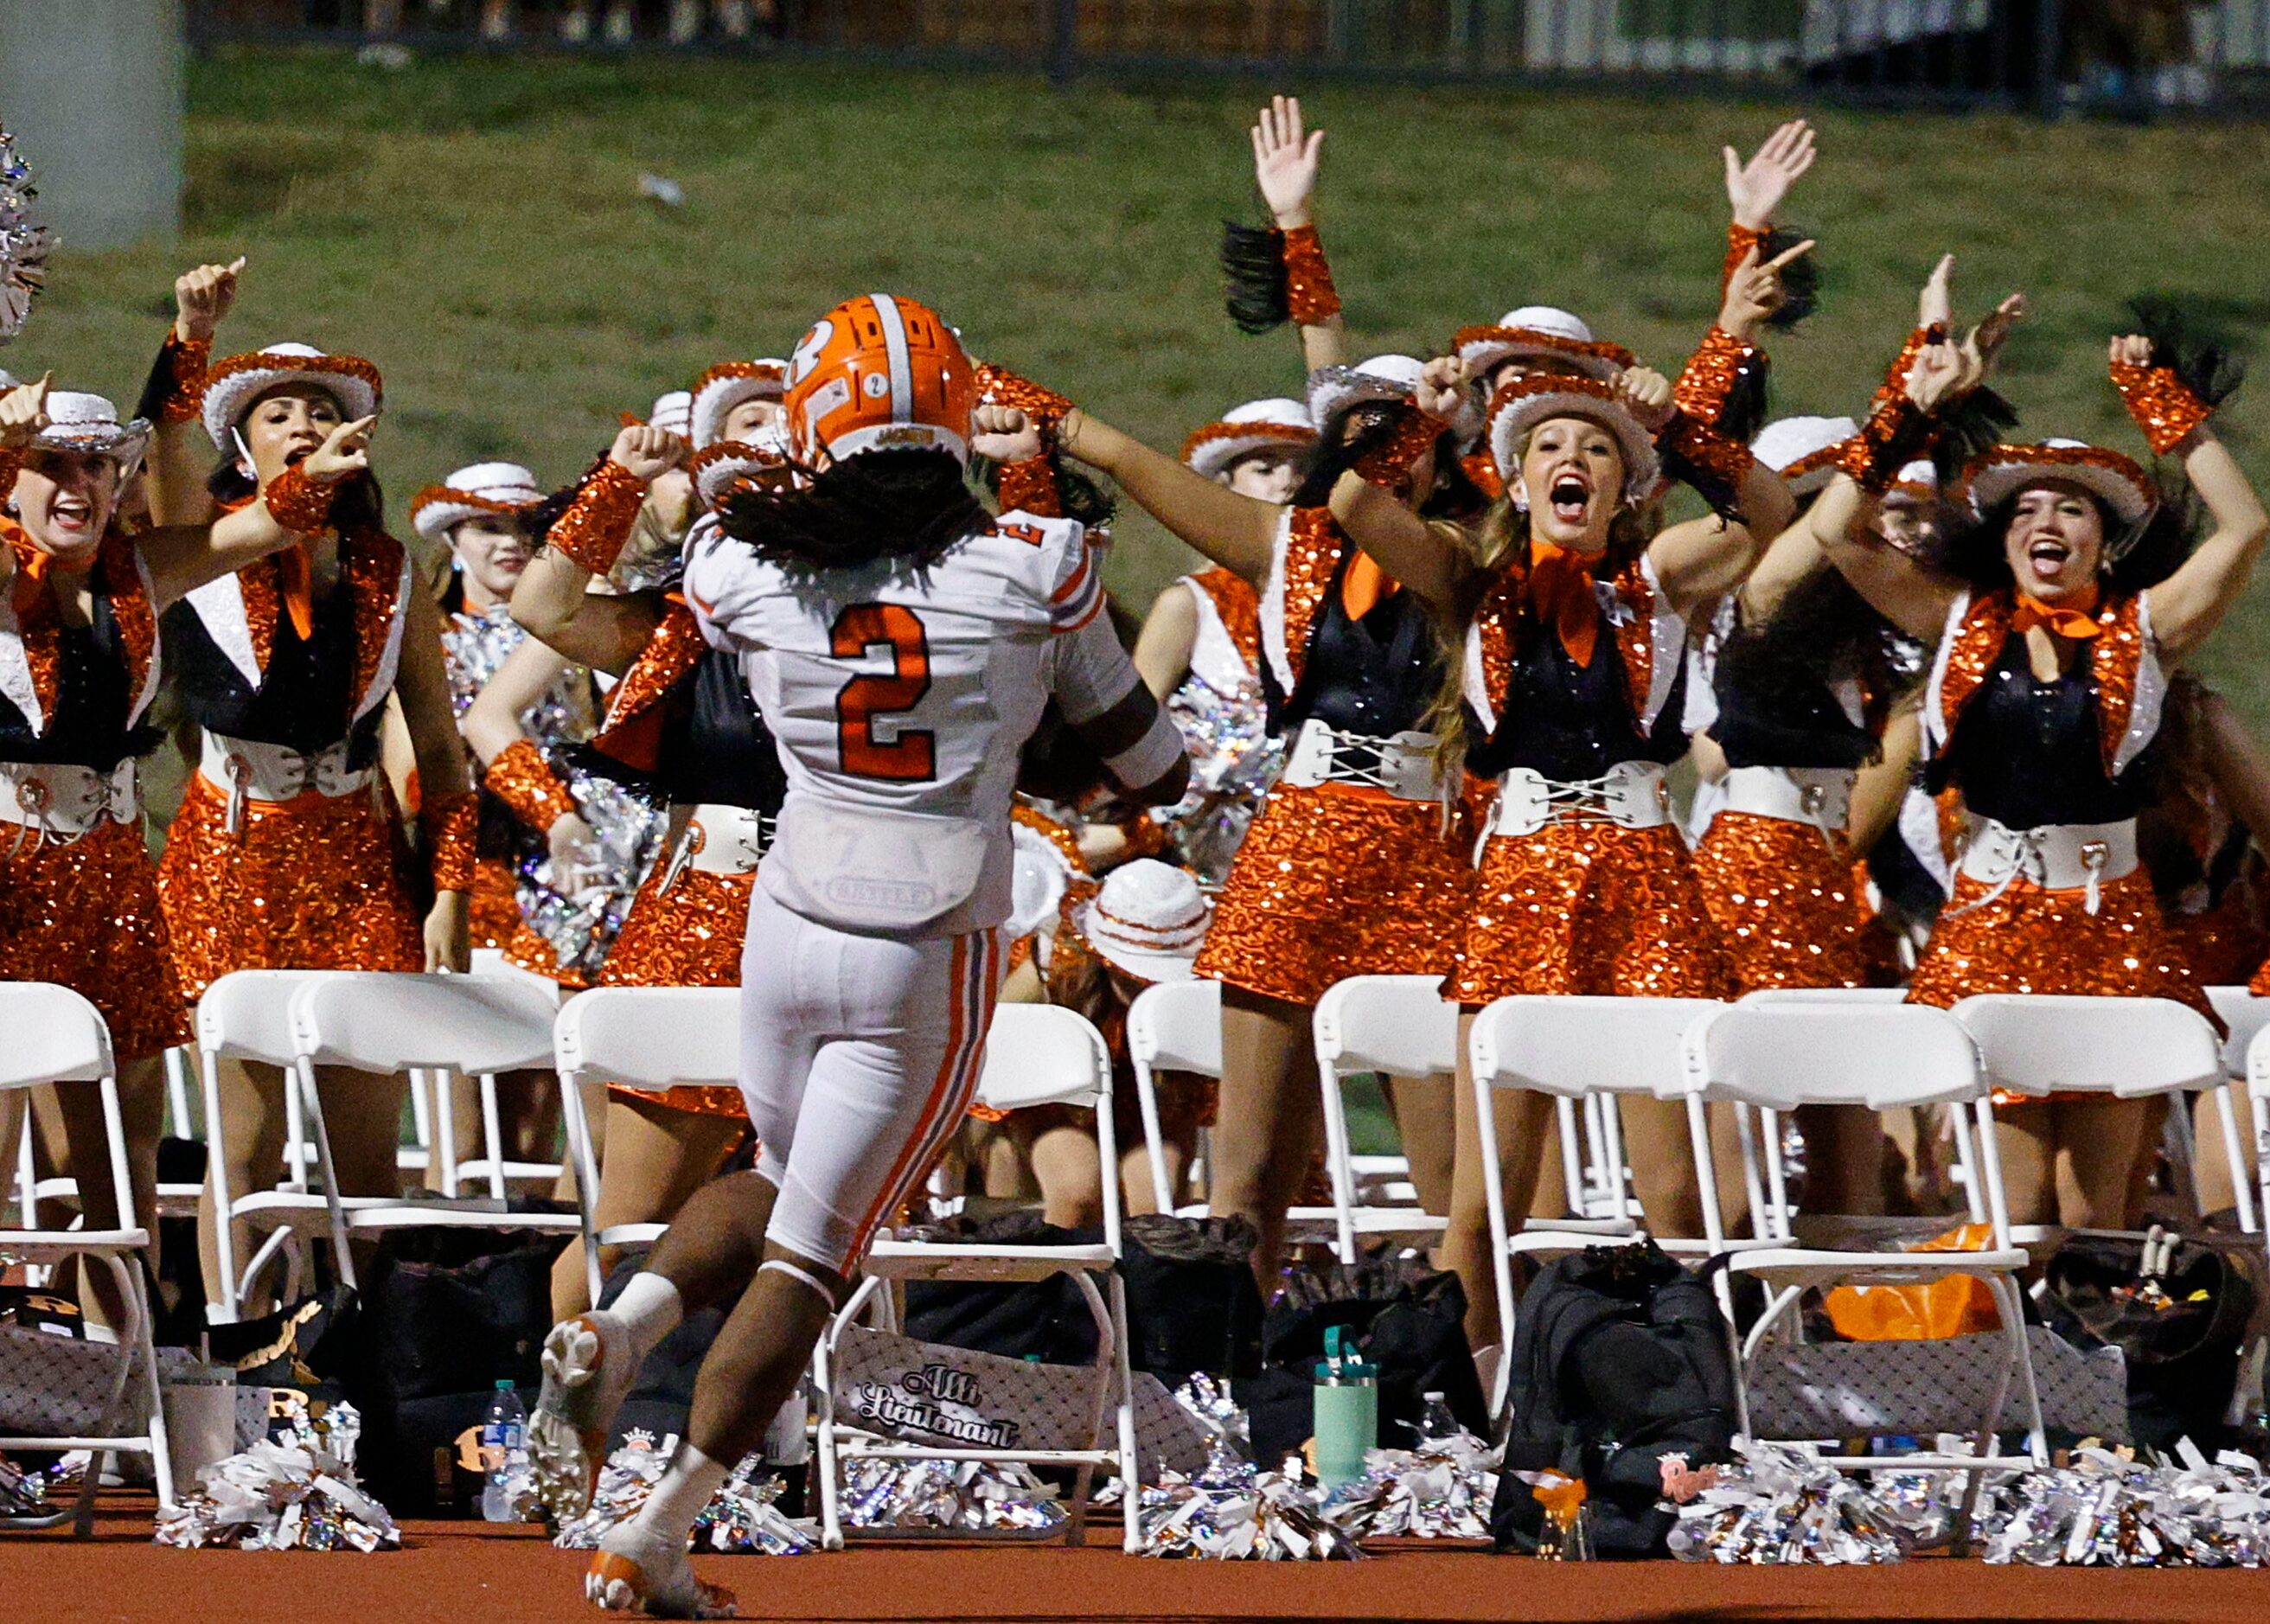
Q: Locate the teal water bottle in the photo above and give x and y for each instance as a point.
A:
(1348, 1410)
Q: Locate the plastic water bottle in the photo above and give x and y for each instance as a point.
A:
(504, 1453)
(1437, 1421)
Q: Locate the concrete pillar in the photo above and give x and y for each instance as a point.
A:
(91, 89)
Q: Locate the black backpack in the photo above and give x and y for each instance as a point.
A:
(2181, 1327)
(1619, 1358)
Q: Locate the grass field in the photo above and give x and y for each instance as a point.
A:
(475, 227)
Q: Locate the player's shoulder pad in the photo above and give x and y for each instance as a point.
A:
(1058, 562)
(722, 577)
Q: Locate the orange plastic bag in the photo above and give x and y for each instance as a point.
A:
(1957, 1305)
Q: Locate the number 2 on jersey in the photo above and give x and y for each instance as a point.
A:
(911, 757)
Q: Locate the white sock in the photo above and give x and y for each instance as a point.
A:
(649, 1309)
(686, 1486)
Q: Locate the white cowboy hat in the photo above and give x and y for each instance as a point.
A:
(233, 384)
(1149, 919)
(725, 386)
(89, 423)
(673, 413)
(1803, 450)
(1333, 390)
(483, 488)
(722, 464)
(1257, 426)
(1539, 332)
(1040, 876)
(2119, 481)
(1532, 397)
(1918, 481)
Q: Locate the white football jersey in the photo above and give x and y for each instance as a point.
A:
(893, 691)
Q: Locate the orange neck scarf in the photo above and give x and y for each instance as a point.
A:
(1560, 594)
(32, 566)
(1363, 584)
(2076, 621)
(295, 576)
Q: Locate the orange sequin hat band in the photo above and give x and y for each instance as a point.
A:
(1484, 347)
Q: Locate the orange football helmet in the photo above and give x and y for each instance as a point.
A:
(880, 374)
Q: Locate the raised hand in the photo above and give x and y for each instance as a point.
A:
(1003, 434)
(1755, 292)
(646, 452)
(346, 451)
(1284, 160)
(1442, 392)
(1983, 343)
(1756, 189)
(1935, 306)
(1648, 393)
(24, 414)
(203, 299)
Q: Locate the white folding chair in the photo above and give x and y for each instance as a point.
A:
(1779, 1056)
(388, 1023)
(2246, 1016)
(54, 1036)
(1172, 1027)
(1576, 1049)
(1753, 1166)
(642, 1037)
(1398, 1026)
(442, 1125)
(246, 1016)
(1035, 1054)
(2128, 1049)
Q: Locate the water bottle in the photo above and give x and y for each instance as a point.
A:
(1348, 1410)
(1437, 1421)
(504, 1454)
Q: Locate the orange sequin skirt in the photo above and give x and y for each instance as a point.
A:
(687, 936)
(85, 914)
(1781, 895)
(2033, 939)
(1333, 883)
(1589, 909)
(314, 883)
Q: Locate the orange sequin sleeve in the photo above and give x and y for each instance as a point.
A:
(598, 522)
(451, 822)
(1897, 431)
(998, 386)
(1741, 240)
(299, 503)
(1711, 373)
(178, 381)
(1715, 464)
(524, 782)
(1030, 483)
(1388, 464)
(1309, 297)
(2162, 404)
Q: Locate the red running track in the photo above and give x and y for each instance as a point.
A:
(468, 1573)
